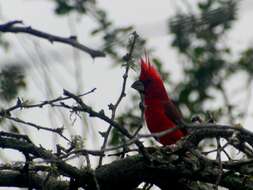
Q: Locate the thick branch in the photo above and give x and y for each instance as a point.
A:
(28, 147)
(128, 173)
(18, 179)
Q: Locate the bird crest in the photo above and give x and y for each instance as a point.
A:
(148, 71)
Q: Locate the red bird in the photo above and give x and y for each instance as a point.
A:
(159, 110)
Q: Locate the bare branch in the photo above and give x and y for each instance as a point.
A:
(19, 179)
(10, 27)
(59, 131)
(20, 105)
(113, 107)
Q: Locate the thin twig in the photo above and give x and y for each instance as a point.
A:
(84, 152)
(20, 104)
(58, 131)
(114, 107)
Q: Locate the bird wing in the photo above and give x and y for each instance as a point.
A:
(174, 114)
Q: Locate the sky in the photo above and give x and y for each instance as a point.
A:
(149, 18)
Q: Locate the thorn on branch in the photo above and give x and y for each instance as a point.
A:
(103, 134)
(59, 130)
(19, 102)
(125, 76)
(66, 92)
(126, 57)
(111, 106)
(102, 112)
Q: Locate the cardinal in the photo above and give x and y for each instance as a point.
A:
(159, 110)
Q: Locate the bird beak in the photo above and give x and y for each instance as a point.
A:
(139, 86)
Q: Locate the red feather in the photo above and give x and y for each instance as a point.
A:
(160, 112)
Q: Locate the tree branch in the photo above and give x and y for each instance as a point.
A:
(114, 107)
(72, 40)
(18, 179)
(164, 170)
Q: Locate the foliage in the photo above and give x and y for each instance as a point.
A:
(12, 80)
(114, 39)
(199, 38)
(64, 7)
